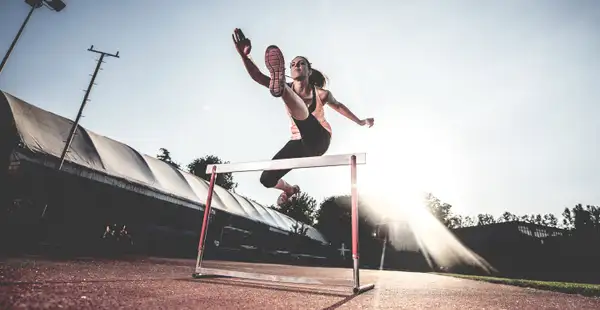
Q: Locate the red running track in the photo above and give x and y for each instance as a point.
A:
(150, 283)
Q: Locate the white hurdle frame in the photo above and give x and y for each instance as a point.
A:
(291, 163)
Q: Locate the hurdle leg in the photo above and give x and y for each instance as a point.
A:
(355, 255)
(204, 229)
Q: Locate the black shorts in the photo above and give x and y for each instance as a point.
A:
(314, 142)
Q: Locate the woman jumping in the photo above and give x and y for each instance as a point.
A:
(305, 100)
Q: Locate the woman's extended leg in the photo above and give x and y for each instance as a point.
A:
(276, 65)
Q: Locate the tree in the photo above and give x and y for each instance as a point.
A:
(568, 220)
(334, 220)
(301, 208)
(165, 156)
(198, 168)
(456, 221)
(443, 212)
(595, 217)
(582, 220)
(468, 221)
(485, 219)
(526, 218)
(550, 220)
(507, 217)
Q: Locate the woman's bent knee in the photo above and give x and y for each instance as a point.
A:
(268, 180)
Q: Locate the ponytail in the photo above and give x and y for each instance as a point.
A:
(317, 78)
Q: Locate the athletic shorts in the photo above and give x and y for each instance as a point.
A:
(314, 142)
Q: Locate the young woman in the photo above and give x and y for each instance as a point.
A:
(305, 100)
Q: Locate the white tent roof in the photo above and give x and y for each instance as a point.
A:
(42, 135)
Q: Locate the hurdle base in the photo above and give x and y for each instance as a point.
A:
(217, 273)
(363, 288)
(213, 273)
(197, 275)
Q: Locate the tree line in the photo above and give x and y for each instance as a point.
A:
(576, 218)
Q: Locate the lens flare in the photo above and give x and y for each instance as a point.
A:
(412, 227)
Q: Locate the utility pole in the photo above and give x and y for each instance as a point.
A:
(85, 100)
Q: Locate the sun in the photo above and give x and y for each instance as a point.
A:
(410, 157)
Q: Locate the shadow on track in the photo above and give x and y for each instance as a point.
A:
(348, 296)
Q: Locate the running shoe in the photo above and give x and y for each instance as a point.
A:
(276, 65)
(283, 197)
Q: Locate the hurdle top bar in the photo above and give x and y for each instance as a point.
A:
(290, 163)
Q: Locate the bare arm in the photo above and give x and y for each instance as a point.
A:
(243, 47)
(254, 72)
(344, 110)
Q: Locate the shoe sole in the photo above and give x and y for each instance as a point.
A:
(276, 65)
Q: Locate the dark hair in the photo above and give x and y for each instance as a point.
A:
(316, 78)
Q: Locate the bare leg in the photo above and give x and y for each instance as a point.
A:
(276, 65)
(295, 104)
(284, 186)
(273, 178)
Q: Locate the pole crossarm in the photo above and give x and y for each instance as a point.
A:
(290, 163)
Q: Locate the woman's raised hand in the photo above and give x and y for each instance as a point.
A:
(242, 44)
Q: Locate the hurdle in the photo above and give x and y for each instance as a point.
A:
(351, 160)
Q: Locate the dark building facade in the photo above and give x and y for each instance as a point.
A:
(531, 251)
(105, 183)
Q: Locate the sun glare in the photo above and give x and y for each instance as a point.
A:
(412, 155)
(406, 160)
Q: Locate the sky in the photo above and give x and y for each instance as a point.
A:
(490, 105)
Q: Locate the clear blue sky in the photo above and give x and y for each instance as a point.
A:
(490, 105)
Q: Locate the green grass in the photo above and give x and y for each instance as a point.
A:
(592, 290)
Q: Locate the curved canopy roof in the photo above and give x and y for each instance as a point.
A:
(42, 135)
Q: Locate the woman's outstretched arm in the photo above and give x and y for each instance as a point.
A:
(243, 46)
(254, 72)
(345, 111)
